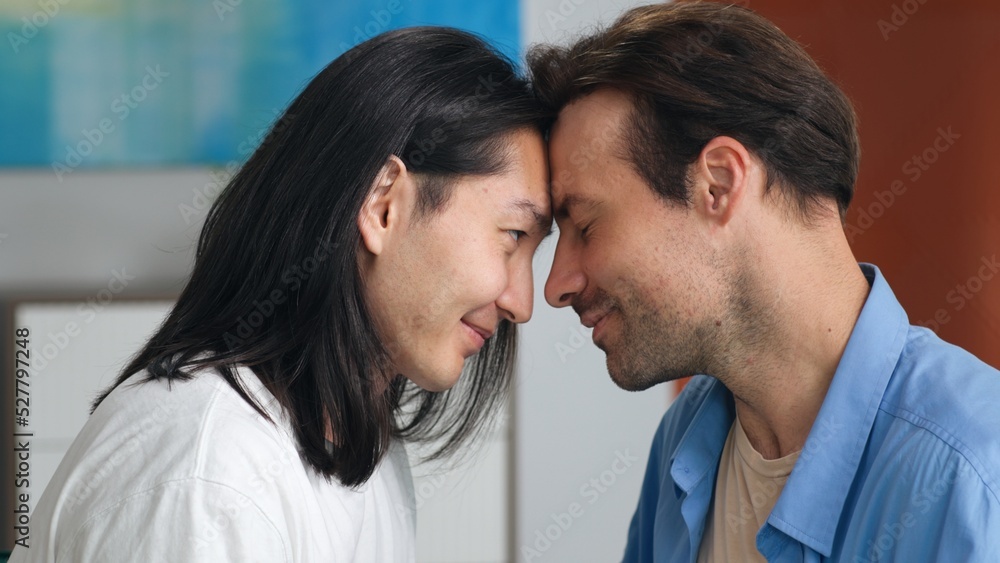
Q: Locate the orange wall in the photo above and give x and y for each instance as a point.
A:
(936, 68)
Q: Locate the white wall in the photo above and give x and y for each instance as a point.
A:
(581, 443)
(559, 21)
(73, 236)
(65, 376)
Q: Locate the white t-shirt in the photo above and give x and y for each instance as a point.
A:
(188, 471)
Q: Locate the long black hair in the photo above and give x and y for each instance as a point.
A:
(276, 284)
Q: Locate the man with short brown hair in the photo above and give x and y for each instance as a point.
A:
(702, 165)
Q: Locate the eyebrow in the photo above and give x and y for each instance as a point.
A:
(574, 200)
(542, 221)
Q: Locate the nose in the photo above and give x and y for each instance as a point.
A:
(517, 300)
(566, 279)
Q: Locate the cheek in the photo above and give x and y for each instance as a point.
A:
(608, 259)
(481, 273)
(485, 284)
(452, 293)
(630, 269)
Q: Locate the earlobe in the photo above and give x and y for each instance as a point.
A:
(381, 209)
(722, 174)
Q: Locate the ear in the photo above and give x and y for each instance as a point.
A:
(721, 178)
(387, 207)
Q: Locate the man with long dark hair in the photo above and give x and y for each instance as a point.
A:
(702, 165)
(373, 252)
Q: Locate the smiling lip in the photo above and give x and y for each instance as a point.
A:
(478, 333)
(590, 320)
(596, 322)
(599, 328)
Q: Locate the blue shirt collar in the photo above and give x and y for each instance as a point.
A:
(697, 454)
(810, 506)
(812, 501)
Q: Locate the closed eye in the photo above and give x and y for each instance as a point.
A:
(517, 235)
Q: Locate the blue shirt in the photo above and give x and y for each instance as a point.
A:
(901, 464)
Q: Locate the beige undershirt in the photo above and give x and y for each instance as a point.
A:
(746, 491)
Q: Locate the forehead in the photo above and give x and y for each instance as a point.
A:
(529, 167)
(586, 140)
(523, 181)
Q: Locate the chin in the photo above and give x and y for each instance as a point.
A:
(629, 379)
(438, 385)
(442, 379)
(633, 383)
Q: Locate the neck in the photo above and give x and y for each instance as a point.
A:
(812, 291)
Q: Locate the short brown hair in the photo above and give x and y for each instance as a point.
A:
(698, 70)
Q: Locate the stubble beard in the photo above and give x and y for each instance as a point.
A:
(657, 344)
